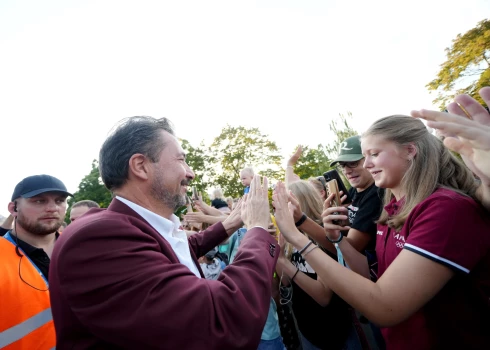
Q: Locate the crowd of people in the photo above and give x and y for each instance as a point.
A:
(401, 261)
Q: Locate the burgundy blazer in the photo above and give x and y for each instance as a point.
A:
(116, 283)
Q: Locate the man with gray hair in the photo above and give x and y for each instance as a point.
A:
(128, 276)
(81, 207)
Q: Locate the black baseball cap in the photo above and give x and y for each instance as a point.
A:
(33, 185)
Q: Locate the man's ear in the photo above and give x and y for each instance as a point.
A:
(12, 208)
(139, 167)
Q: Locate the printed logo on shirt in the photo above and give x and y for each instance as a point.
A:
(400, 240)
(352, 213)
(272, 249)
(379, 233)
(300, 262)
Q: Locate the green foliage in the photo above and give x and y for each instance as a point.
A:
(341, 129)
(467, 68)
(180, 212)
(236, 148)
(220, 164)
(198, 160)
(315, 161)
(91, 188)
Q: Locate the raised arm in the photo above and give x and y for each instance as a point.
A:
(206, 208)
(468, 137)
(308, 226)
(290, 175)
(379, 302)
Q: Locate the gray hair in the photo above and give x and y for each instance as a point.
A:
(86, 203)
(133, 135)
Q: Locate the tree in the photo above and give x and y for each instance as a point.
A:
(239, 147)
(315, 161)
(198, 161)
(341, 130)
(467, 68)
(91, 187)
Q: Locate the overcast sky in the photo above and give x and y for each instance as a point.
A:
(69, 70)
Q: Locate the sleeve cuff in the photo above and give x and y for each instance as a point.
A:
(431, 256)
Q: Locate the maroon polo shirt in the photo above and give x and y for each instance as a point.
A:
(452, 230)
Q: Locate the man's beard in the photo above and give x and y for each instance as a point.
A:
(37, 228)
(159, 192)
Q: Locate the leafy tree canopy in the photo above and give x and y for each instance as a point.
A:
(315, 161)
(91, 187)
(238, 147)
(467, 68)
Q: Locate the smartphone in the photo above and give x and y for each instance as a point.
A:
(195, 195)
(334, 175)
(332, 187)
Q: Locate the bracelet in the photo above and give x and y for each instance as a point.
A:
(304, 248)
(337, 240)
(289, 166)
(297, 270)
(309, 251)
(301, 220)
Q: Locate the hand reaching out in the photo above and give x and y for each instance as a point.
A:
(332, 217)
(255, 206)
(195, 217)
(284, 218)
(234, 221)
(294, 158)
(290, 175)
(470, 138)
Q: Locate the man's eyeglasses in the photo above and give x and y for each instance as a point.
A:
(350, 165)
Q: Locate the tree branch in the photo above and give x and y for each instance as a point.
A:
(486, 59)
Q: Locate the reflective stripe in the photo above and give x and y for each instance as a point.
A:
(19, 331)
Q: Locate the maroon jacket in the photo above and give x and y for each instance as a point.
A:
(115, 282)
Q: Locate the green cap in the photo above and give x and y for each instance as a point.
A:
(349, 150)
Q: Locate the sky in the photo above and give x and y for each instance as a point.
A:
(70, 70)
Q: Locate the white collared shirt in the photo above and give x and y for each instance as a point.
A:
(170, 231)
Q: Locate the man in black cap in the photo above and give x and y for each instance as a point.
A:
(38, 206)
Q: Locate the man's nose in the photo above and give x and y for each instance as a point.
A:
(52, 206)
(190, 174)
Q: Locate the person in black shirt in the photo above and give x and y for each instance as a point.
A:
(362, 215)
(364, 210)
(219, 201)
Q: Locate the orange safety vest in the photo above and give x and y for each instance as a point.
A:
(26, 321)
